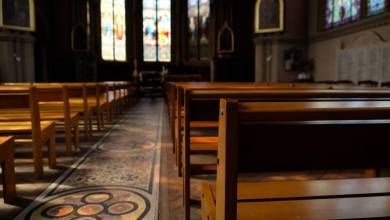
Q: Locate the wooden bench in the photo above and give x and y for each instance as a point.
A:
(268, 136)
(175, 90)
(120, 95)
(8, 168)
(77, 101)
(283, 200)
(203, 105)
(98, 100)
(48, 97)
(33, 131)
(178, 105)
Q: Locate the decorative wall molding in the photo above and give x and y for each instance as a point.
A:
(279, 39)
(24, 37)
(363, 39)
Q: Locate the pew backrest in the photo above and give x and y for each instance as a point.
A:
(293, 136)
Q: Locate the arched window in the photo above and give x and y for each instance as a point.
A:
(339, 12)
(157, 30)
(113, 30)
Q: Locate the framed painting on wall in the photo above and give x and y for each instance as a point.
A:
(269, 16)
(17, 14)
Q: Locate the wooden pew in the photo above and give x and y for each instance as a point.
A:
(267, 136)
(40, 132)
(203, 105)
(112, 92)
(8, 168)
(180, 88)
(97, 101)
(120, 95)
(77, 101)
(66, 120)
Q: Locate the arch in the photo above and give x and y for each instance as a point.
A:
(79, 38)
(226, 39)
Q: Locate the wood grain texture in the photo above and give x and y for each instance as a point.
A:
(8, 168)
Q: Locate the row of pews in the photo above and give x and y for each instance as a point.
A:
(34, 114)
(282, 127)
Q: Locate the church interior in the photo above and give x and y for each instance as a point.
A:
(194, 109)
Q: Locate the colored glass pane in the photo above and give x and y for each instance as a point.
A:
(149, 30)
(164, 30)
(120, 30)
(204, 15)
(198, 29)
(107, 29)
(157, 30)
(329, 13)
(113, 30)
(375, 7)
(355, 9)
(193, 20)
(340, 12)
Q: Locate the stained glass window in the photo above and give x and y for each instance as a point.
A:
(339, 12)
(193, 28)
(157, 30)
(204, 15)
(120, 30)
(198, 29)
(164, 30)
(113, 30)
(375, 7)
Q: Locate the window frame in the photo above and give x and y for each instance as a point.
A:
(142, 45)
(362, 17)
(125, 33)
(198, 58)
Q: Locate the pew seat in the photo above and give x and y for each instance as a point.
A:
(202, 124)
(8, 168)
(23, 126)
(48, 133)
(317, 199)
(46, 114)
(200, 144)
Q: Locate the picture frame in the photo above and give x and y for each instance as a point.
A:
(269, 16)
(17, 15)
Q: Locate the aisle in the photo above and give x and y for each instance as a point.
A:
(117, 179)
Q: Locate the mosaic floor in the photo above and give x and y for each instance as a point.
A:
(117, 179)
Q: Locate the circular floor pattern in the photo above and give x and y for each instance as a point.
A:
(97, 197)
(122, 208)
(58, 211)
(86, 218)
(94, 204)
(90, 210)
